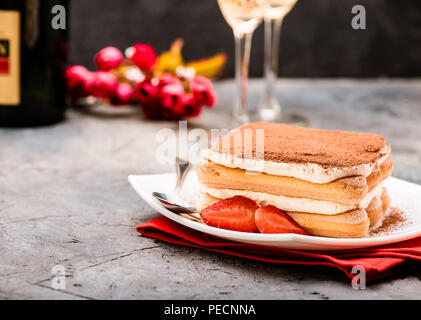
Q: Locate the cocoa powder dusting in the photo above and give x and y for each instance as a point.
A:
(286, 143)
(394, 220)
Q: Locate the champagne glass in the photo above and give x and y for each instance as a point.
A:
(269, 107)
(243, 16)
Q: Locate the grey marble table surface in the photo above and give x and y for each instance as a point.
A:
(65, 201)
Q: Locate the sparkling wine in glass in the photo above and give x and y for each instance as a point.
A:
(243, 16)
(269, 107)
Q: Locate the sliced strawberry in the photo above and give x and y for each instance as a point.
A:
(235, 213)
(270, 219)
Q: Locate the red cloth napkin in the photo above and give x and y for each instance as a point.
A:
(378, 262)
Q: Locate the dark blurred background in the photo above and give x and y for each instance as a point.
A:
(317, 38)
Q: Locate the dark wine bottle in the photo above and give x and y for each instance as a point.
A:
(33, 59)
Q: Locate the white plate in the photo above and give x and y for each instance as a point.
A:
(405, 195)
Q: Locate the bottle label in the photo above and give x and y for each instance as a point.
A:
(9, 57)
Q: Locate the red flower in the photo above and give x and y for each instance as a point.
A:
(87, 83)
(192, 110)
(75, 76)
(188, 107)
(79, 80)
(146, 90)
(168, 78)
(171, 95)
(203, 91)
(144, 56)
(123, 94)
(104, 85)
(152, 110)
(166, 98)
(108, 58)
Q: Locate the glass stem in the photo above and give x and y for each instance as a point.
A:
(242, 61)
(272, 35)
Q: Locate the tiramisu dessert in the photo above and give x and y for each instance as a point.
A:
(310, 181)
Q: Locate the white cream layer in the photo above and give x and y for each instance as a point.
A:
(309, 171)
(295, 204)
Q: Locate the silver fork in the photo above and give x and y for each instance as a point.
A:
(172, 200)
(182, 168)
